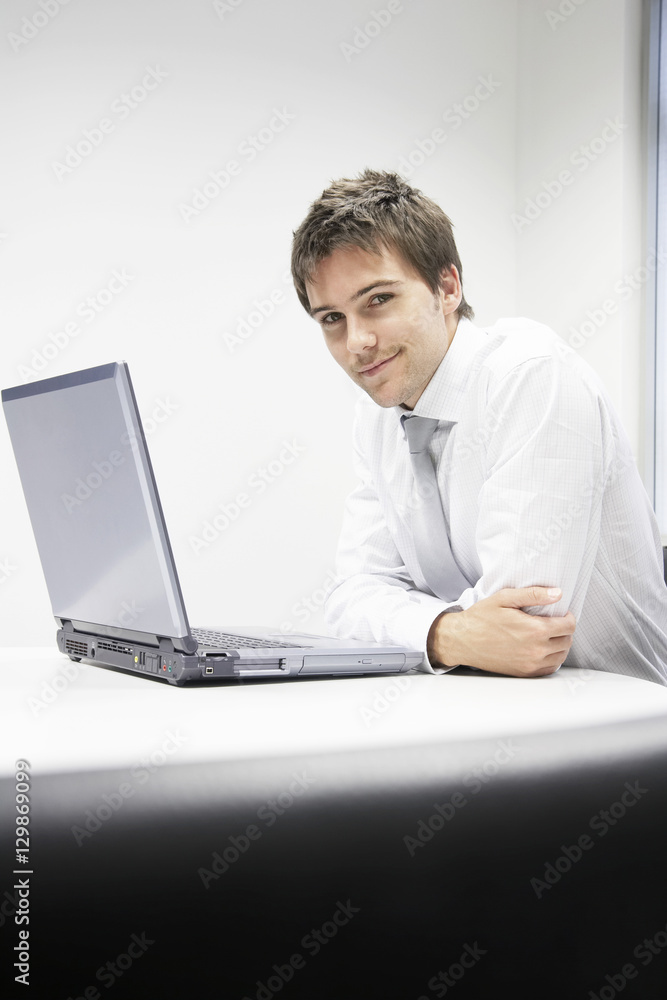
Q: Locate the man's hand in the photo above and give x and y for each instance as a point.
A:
(494, 634)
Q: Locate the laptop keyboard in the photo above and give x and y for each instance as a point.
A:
(209, 637)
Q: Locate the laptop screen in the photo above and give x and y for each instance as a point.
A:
(93, 504)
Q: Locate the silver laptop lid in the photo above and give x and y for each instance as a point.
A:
(94, 507)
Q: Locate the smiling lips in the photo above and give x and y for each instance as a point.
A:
(376, 368)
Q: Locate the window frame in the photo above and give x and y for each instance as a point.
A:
(655, 404)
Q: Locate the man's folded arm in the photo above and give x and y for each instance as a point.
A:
(376, 598)
(539, 514)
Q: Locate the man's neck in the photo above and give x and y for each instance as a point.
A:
(451, 324)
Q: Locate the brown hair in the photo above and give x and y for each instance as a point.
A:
(374, 210)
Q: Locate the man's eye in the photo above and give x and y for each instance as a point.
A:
(331, 318)
(380, 298)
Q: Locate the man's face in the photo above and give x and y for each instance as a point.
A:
(382, 323)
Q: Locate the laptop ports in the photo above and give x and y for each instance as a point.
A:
(208, 671)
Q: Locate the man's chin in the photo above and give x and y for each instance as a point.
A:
(385, 396)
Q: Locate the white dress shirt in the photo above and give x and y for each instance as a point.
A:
(538, 486)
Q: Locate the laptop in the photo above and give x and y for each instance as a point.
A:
(106, 556)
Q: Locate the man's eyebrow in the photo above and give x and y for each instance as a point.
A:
(362, 291)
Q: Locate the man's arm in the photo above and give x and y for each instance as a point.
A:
(495, 635)
(546, 466)
(376, 598)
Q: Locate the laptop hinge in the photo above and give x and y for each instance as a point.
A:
(186, 644)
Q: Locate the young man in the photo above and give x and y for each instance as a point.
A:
(493, 466)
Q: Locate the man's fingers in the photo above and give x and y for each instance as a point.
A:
(523, 597)
(560, 649)
(558, 627)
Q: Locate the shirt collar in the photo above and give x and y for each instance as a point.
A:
(444, 395)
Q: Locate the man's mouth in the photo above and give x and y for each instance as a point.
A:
(376, 368)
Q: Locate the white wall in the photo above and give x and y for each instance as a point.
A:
(225, 71)
(580, 252)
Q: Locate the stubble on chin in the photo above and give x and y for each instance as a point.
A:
(388, 396)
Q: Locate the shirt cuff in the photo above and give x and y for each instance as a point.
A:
(413, 623)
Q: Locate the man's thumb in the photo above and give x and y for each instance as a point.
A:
(521, 597)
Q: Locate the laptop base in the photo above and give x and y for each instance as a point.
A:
(178, 668)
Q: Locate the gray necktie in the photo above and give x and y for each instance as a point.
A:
(429, 530)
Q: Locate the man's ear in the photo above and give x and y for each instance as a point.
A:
(451, 291)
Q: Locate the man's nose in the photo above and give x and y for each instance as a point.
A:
(359, 335)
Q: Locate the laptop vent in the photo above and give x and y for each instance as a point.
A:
(113, 647)
(76, 646)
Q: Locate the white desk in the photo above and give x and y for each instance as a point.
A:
(66, 717)
(388, 758)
